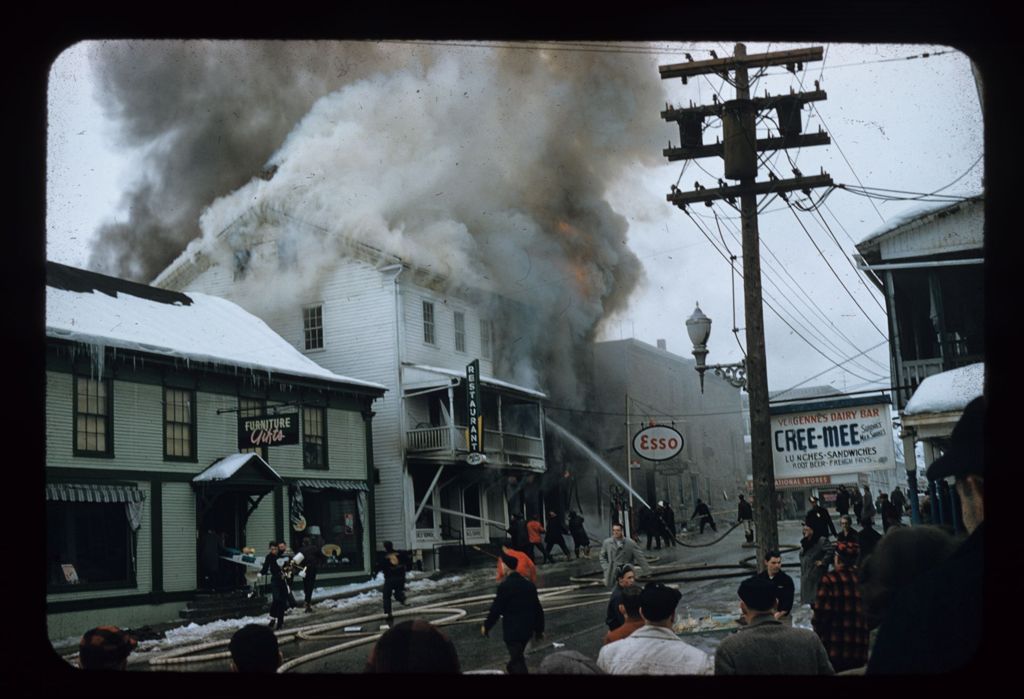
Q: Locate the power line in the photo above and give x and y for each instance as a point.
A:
(836, 274)
(804, 296)
(811, 378)
(775, 310)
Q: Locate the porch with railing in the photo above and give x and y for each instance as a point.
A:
(439, 439)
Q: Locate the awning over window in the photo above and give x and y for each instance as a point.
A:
(93, 492)
(335, 484)
(132, 497)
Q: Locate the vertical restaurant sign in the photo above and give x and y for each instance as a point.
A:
(475, 430)
(268, 430)
(830, 441)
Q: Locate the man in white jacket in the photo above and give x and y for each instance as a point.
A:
(654, 648)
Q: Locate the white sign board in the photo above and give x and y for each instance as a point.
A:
(832, 441)
(657, 442)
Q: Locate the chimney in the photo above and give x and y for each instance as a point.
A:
(661, 344)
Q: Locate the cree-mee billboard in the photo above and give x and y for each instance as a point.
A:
(832, 438)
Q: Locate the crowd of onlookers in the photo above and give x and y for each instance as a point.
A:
(907, 600)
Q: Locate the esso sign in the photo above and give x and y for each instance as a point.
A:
(657, 443)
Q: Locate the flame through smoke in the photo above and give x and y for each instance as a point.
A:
(488, 166)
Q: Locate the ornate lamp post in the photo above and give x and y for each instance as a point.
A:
(698, 326)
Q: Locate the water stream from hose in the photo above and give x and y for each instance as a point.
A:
(576, 442)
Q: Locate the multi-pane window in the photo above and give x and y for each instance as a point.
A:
(485, 339)
(251, 407)
(460, 331)
(314, 438)
(179, 424)
(93, 434)
(313, 326)
(428, 322)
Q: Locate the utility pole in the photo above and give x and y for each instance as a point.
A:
(739, 148)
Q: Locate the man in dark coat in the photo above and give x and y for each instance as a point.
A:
(745, 514)
(646, 525)
(580, 538)
(661, 519)
(842, 500)
(890, 514)
(624, 578)
(899, 500)
(670, 523)
(522, 616)
(393, 565)
(818, 519)
(278, 586)
(705, 515)
(867, 538)
(554, 536)
(519, 535)
(784, 587)
(312, 559)
(935, 624)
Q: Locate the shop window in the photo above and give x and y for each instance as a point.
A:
(88, 545)
(179, 425)
(336, 513)
(94, 434)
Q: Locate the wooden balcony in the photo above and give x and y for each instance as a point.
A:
(502, 448)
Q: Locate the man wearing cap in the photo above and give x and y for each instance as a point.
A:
(764, 645)
(934, 625)
(625, 577)
(745, 514)
(629, 608)
(617, 550)
(526, 567)
(654, 648)
(818, 519)
(522, 616)
(105, 648)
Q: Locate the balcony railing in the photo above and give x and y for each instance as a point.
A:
(425, 439)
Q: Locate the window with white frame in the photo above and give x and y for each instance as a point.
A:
(313, 326)
(460, 331)
(485, 339)
(428, 323)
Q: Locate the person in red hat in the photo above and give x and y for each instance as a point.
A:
(105, 648)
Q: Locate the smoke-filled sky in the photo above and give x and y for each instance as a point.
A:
(536, 170)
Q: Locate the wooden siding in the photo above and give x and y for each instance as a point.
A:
(179, 537)
(442, 354)
(346, 445)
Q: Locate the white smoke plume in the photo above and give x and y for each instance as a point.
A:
(488, 166)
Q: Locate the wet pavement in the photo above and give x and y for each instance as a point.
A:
(707, 572)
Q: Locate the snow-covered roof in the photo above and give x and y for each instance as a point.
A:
(949, 391)
(489, 380)
(913, 213)
(804, 392)
(224, 468)
(194, 327)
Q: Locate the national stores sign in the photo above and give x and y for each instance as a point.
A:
(852, 438)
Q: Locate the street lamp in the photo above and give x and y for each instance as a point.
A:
(698, 326)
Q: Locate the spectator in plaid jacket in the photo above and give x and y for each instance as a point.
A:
(838, 613)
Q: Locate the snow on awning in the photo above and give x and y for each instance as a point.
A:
(332, 484)
(418, 376)
(947, 392)
(93, 492)
(226, 467)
